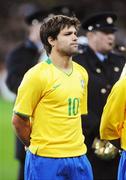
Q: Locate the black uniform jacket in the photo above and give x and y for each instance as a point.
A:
(20, 60)
(102, 76)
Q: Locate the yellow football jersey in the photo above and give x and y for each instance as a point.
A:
(55, 102)
(113, 122)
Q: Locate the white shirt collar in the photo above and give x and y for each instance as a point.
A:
(101, 57)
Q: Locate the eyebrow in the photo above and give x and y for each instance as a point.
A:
(69, 32)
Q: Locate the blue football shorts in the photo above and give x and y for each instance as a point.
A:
(44, 168)
(122, 167)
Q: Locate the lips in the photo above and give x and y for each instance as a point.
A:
(110, 43)
(74, 44)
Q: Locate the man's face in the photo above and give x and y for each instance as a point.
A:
(104, 41)
(66, 42)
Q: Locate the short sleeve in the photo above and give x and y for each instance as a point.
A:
(29, 93)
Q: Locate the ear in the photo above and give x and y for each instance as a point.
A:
(51, 41)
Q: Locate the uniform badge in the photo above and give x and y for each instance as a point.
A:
(109, 20)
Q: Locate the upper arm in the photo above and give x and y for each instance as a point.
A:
(19, 120)
(29, 93)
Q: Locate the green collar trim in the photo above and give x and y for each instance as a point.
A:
(48, 61)
(68, 74)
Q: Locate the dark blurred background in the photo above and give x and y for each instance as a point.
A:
(12, 30)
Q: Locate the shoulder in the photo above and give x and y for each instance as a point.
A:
(121, 82)
(80, 68)
(23, 46)
(42, 69)
(120, 87)
(15, 52)
(18, 48)
(36, 75)
(117, 55)
(85, 53)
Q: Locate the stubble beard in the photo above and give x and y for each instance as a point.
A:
(72, 52)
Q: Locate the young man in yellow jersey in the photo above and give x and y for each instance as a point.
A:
(48, 108)
(113, 122)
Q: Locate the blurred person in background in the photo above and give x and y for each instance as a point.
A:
(104, 68)
(4, 91)
(21, 59)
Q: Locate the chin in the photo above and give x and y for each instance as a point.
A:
(72, 52)
(76, 51)
(109, 49)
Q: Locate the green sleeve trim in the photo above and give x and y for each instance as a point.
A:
(22, 115)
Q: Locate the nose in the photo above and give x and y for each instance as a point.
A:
(74, 37)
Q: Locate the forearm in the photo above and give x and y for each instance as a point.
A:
(22, 128)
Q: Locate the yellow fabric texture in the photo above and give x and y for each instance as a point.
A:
(54, 101)
(113, 122)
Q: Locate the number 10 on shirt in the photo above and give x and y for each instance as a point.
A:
(73, 106)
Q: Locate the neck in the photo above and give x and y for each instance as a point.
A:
(61, 61)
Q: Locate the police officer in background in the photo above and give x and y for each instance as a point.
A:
(104, 68)
(21, 59)
(26, 54)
